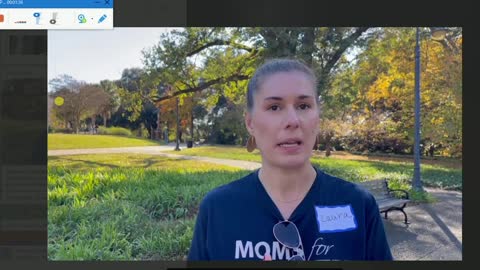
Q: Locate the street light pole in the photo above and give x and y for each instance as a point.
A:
(417, 183)
(177, 147)
(437, 33)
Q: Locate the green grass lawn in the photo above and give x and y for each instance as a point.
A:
(76, 141)
(143, 207)
(399, 172)
(126, 207)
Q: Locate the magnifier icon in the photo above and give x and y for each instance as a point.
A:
(82, 19)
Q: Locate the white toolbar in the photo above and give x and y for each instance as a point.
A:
(66, 18)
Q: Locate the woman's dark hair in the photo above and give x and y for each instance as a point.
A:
(274, 66)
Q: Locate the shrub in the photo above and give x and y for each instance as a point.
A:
(114, 131)
(141, 132)
(62, 130)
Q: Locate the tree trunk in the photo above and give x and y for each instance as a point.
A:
(159, 126)
(76, 124)
(92, 118)
(149, 130)
(105, 115)
(166, 134)
(160, 135)
(191, 126)
(328, 145)
(308, 45)
(327, 150)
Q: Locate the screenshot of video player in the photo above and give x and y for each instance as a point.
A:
(224, 134)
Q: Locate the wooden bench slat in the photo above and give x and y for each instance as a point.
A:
(384, 198)
(384, 205)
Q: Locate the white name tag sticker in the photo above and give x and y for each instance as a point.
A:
(338, 218)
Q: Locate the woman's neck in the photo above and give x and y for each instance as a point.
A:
(287, 185)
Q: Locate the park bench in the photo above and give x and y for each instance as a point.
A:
(385, 197)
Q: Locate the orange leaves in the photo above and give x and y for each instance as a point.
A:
(168, 109)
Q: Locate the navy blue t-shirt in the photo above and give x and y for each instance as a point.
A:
(337, 220)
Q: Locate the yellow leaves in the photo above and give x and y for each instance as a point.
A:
(437, 121)
(384, 79)
(459, 41)
(390, 88)
(379, 89)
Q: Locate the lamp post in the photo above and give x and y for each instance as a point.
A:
(437, 34)
(177, 139)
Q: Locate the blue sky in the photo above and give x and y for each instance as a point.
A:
(94, 55)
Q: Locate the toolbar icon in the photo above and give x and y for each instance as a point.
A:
(2, 18)
(102, 18)
(37, 17)
(54, 18)
(82, 19)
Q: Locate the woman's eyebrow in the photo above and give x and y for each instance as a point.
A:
(273, 98)
(302, 97)
(305, 97)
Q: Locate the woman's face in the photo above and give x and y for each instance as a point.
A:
(284, 119)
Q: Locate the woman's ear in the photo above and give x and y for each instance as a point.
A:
(248, 122)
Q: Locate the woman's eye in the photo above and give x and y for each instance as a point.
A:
(304, 106)
(274, 107)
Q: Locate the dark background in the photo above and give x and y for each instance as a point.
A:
(23, 109)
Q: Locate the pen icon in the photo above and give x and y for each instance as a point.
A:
(102, 18)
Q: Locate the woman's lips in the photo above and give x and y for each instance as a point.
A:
(290, 142)
(291, 146)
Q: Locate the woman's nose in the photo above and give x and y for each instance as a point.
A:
(292, 120)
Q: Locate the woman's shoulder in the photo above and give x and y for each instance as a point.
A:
(347, 188)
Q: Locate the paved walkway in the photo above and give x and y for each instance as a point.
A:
(155, 150)
(117, 150)
(435, 231)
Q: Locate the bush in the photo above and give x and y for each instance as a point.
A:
(375, 141)
(114, 131)
(142, 132)
(62, 130)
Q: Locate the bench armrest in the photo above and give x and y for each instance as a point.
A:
(405, 193)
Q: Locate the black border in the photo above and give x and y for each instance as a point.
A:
(23, 143)
(326, 13)
(149, 13)
(180, 13)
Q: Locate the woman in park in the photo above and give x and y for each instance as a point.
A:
(288, 209)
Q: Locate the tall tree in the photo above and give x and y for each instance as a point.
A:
(81, 100)
(320, 47)
(382, 82)
(224, 55)
(114, 100)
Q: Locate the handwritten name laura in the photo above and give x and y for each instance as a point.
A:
(335, 217)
